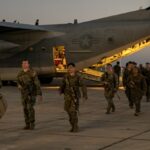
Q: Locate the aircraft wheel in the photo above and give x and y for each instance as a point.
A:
(46, 80)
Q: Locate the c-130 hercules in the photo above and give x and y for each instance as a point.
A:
(50, 47)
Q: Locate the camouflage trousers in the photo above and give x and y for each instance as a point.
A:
(28, 103)
(110, 105)
(148, 93)
(71, 108)
(109, 95)
(128, 94)
(137, 105)
(137, 102)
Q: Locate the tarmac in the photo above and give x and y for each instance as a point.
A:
(98, 131)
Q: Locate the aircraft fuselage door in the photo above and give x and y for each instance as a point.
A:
(59, 58)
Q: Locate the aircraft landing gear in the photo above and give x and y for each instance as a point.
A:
(46, 80)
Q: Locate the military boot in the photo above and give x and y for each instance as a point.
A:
(71, 130)
(147, 100)
(113, 108)
(108, 110)
(75, 128)
(32, 126)
(27, 127)
(70, 121)
(136, 114)
(131, 105)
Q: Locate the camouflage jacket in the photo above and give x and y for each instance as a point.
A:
(126, 74)
(71, 85)
(137, 84)
(110, 81)
(0, 82)
(28, 82)
(117, 69)
(146, 74)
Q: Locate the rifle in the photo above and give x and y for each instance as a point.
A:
(108, 85)
(74, 96)
(133, 85)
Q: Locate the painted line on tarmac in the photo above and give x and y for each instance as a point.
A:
(125, 139)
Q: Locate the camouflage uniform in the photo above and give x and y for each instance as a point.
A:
(126, 74)
(71, 89)
(111, 86)
(30, 87)
(117, 71)
(137, 85)
(0, 82)
(1, 97)
(147, 76)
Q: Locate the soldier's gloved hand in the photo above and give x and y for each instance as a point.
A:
(39, 98)
(19, 87)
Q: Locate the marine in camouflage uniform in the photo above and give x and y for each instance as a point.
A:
(110, 80)
(1, 97)
(29, 85)
(137, 84)
(3, 103)
(126, 74)
(0, 83)
(117, 70)
(70, 87)
(146, 73)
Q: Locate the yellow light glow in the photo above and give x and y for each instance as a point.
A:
(126, 52)
(95, 74)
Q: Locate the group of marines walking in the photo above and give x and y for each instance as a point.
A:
(135, 83)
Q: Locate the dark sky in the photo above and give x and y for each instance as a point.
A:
(64, 11)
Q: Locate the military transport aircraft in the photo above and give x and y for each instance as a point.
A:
(50, 47)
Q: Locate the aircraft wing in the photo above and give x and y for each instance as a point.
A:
(6, 45)
(14, 36)
(8, 27)
(11, 34)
